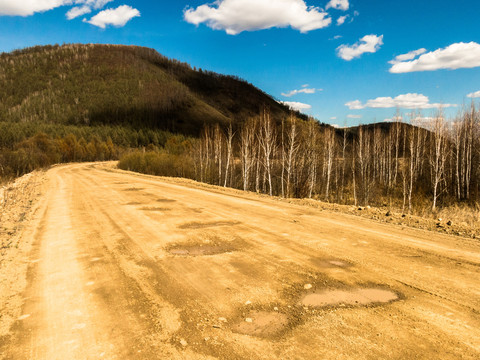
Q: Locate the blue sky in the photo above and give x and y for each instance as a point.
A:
(341, 73)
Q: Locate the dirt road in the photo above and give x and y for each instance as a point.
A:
(127, 266)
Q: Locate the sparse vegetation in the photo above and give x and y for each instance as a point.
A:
(412, 169)
(97, 102)
(93, 102)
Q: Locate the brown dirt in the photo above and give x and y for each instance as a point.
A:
(261, 324)
(93, 277)
(354, 297)
(199, 250)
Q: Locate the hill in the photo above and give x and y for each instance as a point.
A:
(121, 85)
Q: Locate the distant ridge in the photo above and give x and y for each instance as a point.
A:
(122, 85)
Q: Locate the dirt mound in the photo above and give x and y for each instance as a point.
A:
(355, 297)
(262, 324)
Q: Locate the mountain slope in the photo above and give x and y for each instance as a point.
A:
(121, 85)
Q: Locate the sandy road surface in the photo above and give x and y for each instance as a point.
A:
(126, 266)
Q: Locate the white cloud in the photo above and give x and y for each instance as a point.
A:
(338, 4)
(341, 20)
(355, 105)
(455, 56)
(235, 16)
(475, 94)
(354, 116)
(117, 17)
(405, 101)
(394, 119)
(86, 8)
(78, 11)
(408, 56)
(367, 44)
(96, 4)
(296, 105)
(29, 7)
(333, 118)
(303, 90)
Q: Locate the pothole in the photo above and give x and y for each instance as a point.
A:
(353, 297)
(331, 263)
(153, 208)
(134, 203)
(200, 250)
(162, 200)
(133, 189)
(262, 324)
(200, 225)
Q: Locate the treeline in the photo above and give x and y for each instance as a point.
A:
(41, 151)
(397, 164)
(25, 147)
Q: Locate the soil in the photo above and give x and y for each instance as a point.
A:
(349, 297)
(91, 274)
(261, 324)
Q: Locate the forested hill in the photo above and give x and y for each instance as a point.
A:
(122, 85)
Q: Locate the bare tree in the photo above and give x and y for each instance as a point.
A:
(292, 150)
(311, 154)
(218, 140)
(230, 135)
(247, 137)
(329, 143)
(267, 142)
(438, 155)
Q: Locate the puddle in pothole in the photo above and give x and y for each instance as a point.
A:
(200, 250)
(262, 324)
(353, 297)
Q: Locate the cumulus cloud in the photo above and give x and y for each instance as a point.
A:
(96, 4)
(29, 7)
(303, 90)
(405, 101)
(338, 4)
(235, 16)
(455, 56)
(296, 105)
(367, 44)
(116, 17)
(352, 116)
(475, 94)
(394, 119)
(86, 8)
(78, 11)
(341, 20)
(355, 105)
(408, 56)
